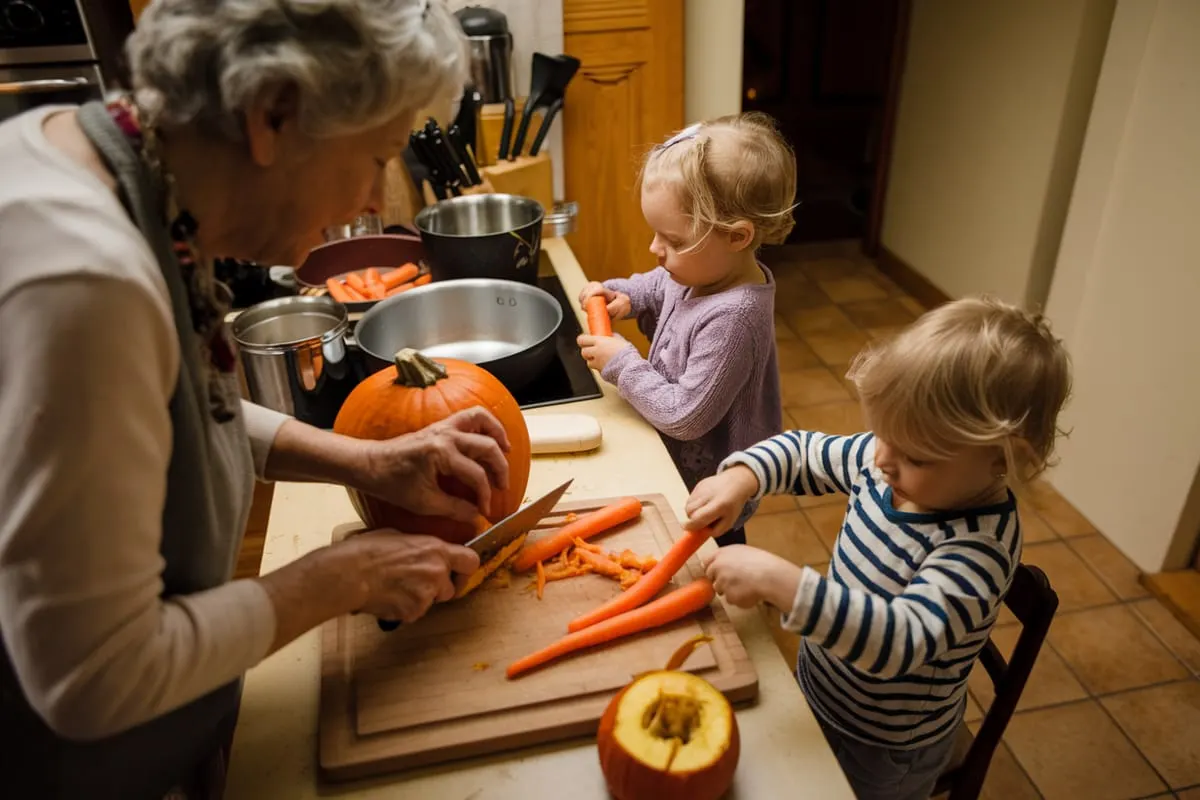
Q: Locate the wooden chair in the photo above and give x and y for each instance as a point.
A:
(1032, 600)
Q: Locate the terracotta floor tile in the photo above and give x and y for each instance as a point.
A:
(1189, 794)
(1033, 528)
(883, 334)
(797, 292)
(1077, 586)
(820, 501)
(824, 319)
(808, 387)
(1162, 622)
(1117, 571)
(852, 290)
(849, 384)
(1050, 683)
(844, 417)
(913, 306)
(794, 354)
(1111, 650)
(1005, 779)
(878, 313)
(776, 504)
(972, 713)
(1164, 723)
(1058, 513)
(823, 269)
(827, 521)
(836, 348)
(788, 535)
(884, 282)
(1076, 751)
(783, 333)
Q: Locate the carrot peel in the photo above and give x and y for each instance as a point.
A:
(666, 609)
(588, 525)
(541, 580)
(653, 581)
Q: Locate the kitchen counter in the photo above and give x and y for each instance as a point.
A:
(275, 748)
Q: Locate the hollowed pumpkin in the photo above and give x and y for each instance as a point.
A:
(418, 391)
(669, 735)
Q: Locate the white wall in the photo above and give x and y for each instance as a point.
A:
(1126, 291)
(993, 106)
(712, 52)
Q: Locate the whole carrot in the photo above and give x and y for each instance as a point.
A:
(337, 291)
(404, 287)
(601, 563)
(599, 323)
(424, 279)
(586, 526)
(653, 582)
(356, 282)
(666, 609)
(375, 284)
(355, 295)
(399, 275)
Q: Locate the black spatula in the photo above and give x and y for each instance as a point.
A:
(550, 74)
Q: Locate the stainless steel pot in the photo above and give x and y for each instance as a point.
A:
(293, 355)
(508, 328)
(482, 236)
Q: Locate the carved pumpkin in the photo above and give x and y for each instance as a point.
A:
(669, 734)
(417, 392)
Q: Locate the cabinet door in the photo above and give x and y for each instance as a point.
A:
(627, 96)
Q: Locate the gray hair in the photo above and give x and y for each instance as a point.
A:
(355, 64)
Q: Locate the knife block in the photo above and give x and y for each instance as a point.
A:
(491, 123)
(527, 176)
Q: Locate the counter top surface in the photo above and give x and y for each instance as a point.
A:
(275, 747)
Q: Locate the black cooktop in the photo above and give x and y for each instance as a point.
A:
(568, 379)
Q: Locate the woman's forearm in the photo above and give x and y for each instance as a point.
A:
(322, 585)
(302, 452)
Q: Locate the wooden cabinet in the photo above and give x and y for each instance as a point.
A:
(627, 96)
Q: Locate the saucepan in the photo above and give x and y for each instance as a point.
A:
(482, 236)
(506, 327)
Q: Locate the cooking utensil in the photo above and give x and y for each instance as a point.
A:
(482, 236)
(467, 120)
(551, 74)
(446, 157)
(439, 178)
(506, 129)
(544, 128)
(463, 154)
(491, 541)
(293, 355)
(334, 259)
(508, 328)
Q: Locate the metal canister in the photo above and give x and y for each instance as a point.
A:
(293, 353)
(491, 48)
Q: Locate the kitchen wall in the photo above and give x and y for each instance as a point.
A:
(1127, 288)
(712, 51)
(994, 102)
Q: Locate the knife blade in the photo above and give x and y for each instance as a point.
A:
(496, 537)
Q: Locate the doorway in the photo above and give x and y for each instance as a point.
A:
(829, 72)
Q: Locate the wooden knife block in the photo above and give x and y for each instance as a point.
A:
(528, 176)
(491, 124)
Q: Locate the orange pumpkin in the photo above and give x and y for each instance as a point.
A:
(669, 735)
(417, 392)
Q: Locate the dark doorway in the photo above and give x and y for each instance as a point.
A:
(828, 71)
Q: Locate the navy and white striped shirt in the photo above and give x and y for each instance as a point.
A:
(891, 632)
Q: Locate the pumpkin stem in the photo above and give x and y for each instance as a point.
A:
(417, 370)
(686, 649)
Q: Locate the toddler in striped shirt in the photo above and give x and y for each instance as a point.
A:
(962, 405)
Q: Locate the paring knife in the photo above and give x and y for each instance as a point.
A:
(493, 540)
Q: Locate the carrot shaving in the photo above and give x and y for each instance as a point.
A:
(589, 525)
(582, 545)
(480, 666)
(570, 517)
(629, 577)
(541, 580)
(601, 563)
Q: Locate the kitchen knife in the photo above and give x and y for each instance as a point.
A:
(491, 541)
(544, 129)
(506, 130)
(463, 155)
(446, 156)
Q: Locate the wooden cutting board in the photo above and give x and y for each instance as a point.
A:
(422, 694)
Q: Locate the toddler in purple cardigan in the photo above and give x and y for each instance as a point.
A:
(712, 194)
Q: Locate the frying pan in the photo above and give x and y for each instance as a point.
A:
(335, 259)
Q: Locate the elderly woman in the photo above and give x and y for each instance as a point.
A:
(128, 460)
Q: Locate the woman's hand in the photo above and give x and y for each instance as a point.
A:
(747, 576)
(404, 574)
(619, 305)
(597, 351)
(468, 446)
(717, 502)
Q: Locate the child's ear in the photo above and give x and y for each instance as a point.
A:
(741, 235)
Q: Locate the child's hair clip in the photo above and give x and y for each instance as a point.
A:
(689, 132)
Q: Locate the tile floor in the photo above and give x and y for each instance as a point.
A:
(1112, 710)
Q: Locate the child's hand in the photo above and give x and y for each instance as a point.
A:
(747, 576)
(718, 501)
(597, 351)
(619, 305)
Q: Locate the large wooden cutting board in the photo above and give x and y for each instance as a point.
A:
(420, 695)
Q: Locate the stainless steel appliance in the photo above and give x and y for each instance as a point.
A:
(59, 51)
(482, 236)
(491, 47)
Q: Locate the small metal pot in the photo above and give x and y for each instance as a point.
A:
(505, 327)
(293, 356)
(482, 236)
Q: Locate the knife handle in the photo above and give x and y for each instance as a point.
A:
(387, 625)
(507, 129)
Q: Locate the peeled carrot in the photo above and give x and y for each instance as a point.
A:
(337, 291)
(356, 282)
(541, 580)
(404, 287)
(599, 323)
(424, 279)
(666, 609)
(400, 275)
(601, 563)
(653, 582)
(586, 526)
(375, 284)
(355, 295)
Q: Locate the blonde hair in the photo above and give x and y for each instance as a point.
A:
(976, 371)
(728, 170)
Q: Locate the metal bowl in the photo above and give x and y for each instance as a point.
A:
(482, 236)
(505, 327)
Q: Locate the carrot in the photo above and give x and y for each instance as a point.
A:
(666, 609)
(375, 284)
(399, 275)
(588, 525)
(580, 544)
(541, 579)
(424, 279)
(602, 564)
(599, 323)
(404, 287)
(356, 282)
(337, 291)
(629, 577)
(683, 549)
(355, 295)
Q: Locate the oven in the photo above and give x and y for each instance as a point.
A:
(60, 51)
